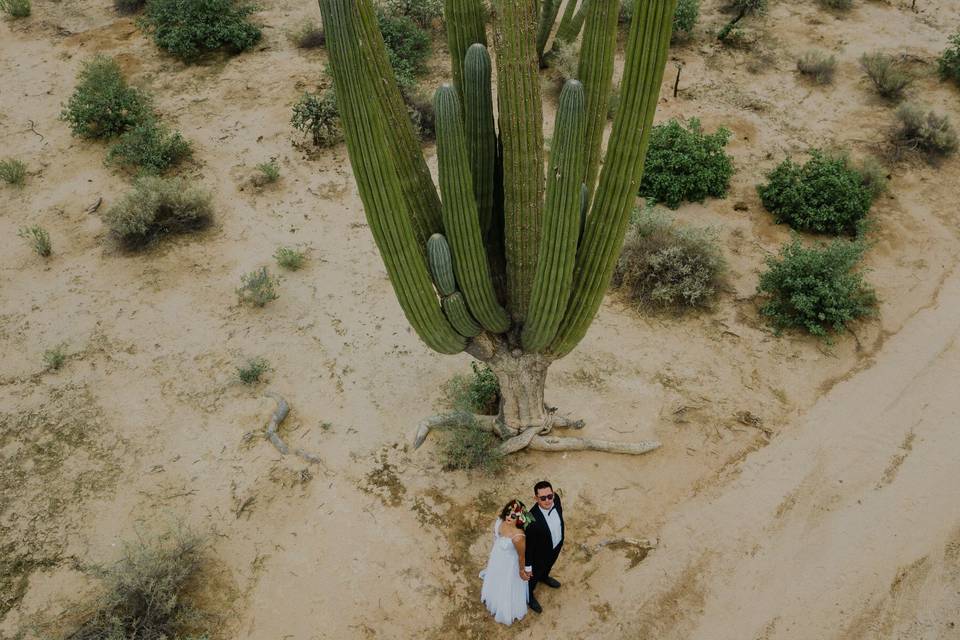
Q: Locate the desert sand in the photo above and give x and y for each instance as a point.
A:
(803, 490)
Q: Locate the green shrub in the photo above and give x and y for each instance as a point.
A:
(888, 77)
(257, 288)
(158, 206)
(476, 393)
(13, 171)
(685, 18)
(38, 239)
(685, 164)
(929, 132)
(317, 115)
(565, 62)
(252, 370)
(948, 64)
(818, 66)
(825, 195)
(128, 7)
(190, 28)
(288, 258)
(664, 266)
(423, 12)
(470, 447)
(818, 289)
(149, 147)
(838, 5)
(874, 177)
(54, 358)
(269, 172)
(310, 36)
(740, 9)
(16, 8)
(408, 47)
(103, 104)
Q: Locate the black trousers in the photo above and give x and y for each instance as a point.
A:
(541, 571)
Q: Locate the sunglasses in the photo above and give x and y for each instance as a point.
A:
(545, 498)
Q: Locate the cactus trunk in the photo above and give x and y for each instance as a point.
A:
(596, 74)
(465, 27)
(548, 14)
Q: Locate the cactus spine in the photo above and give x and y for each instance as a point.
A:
(480, 131)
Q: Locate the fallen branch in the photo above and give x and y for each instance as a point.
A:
(279, 415)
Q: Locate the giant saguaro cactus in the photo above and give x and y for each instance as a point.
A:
(520, 253)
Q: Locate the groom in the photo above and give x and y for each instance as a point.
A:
(544, 538)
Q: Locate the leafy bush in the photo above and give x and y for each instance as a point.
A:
(470, 447)
(423, 12)
(565, 62)
(257, 288)
(825, 195)
(13, 171)
(252, 370)
(317, 115)
(38, 239)
(477, 393)
(127, 7)
(928, 132)
(408, 47)
(310, 36)
(289, 258)
(16, 8)
(269, 172)
(422, 116)
(948, 64)
(839, 5)
(685, 18)
(818, 289)
(818, 66)
(149, 147)
(740, 9)
(158, 206)
(54, 358)
(666, 266)
(686, 164)
(103, 104)
(189, 28)
(888, 77)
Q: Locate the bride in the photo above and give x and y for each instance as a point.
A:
(505, 578)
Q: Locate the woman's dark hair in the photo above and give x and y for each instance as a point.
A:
(509, 507)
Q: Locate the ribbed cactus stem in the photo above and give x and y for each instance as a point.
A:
(596, 74)
(646, 56)
(459, 316)
(465, 26)
(561, 222)
(441, 264)
(460, 217)
(548, 15)
(570, 23)
(521, 134)
(364, 119)
(480, 130)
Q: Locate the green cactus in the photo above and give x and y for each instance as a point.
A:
(480, 130)
(441, 264)
(465, 27)
(455, 307)
(548, 14)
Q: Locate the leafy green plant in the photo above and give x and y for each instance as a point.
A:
(190, 28)
(55, 357)
(565, 63)
(888, 76)
(740, 10)
(948, 64)
(819, 290)
(665, 266)
(16, 8)
(269, 172)
(251, 371)
(149, 147)
(685, 18)
(686, 164)
(310, 36)
(927, 132)
(128, 7)
(837, 5)
(423, 12)
(288, 258)
(257, 287)
(157, 206)
(103, 104)
(825, 195)
(408, 47)
(476, 393)
(817, 66)
(471, 448)
(13, 171)
(38, 239)
(874, 177)
(317, 115)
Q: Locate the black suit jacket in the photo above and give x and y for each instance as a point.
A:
(540, 551)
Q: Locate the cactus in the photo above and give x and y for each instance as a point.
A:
(456, 309)
(441, 265)
(480, 131)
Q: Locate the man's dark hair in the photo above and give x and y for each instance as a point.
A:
(543, 484)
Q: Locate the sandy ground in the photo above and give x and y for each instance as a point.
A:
(836, 519)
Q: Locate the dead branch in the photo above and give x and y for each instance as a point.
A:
(450, 420)
(279, 415)
(554, 443)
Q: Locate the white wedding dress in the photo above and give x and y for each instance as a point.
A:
(504, 591)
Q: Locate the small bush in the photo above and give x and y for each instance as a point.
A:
(818, 289)
(423, 12)
(158, 206)
(948, 64)
(685, 164)
(470, 447)
(269, 172)
(128, 7)
(663, 266)
(310, 36)
(408, 47)
(740, 9)
(103, 104)
(873, 176)
(825, 195)
(928, 132)
(190, 28)
(252, 370)
(685, 18)
(54, 358)
(289, 259)
(257, 288)
(837, 5)
(13, 171)
(38, 239)
(16, 8)
(565, 62)
(887, 76)
(477, 393)
(817, 66)
(149, 147)
(422, 116)
(317, 115)
(145, 594)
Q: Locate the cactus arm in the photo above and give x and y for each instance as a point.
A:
(364, 121)
(521, 134)
(460, 218)
(596, 74)
(481, 134)
(570, 23)
(646, 57)
(548, 15)
(456, 309)
(441, 264)
(465, 27)
(561, 223)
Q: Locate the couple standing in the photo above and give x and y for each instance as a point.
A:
(525, 547)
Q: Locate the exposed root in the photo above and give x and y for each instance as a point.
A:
(455, 419)
(553, 443)
(278, 416)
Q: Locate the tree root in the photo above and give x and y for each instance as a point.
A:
(279, 415)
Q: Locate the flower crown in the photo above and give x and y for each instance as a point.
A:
(520, 512)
